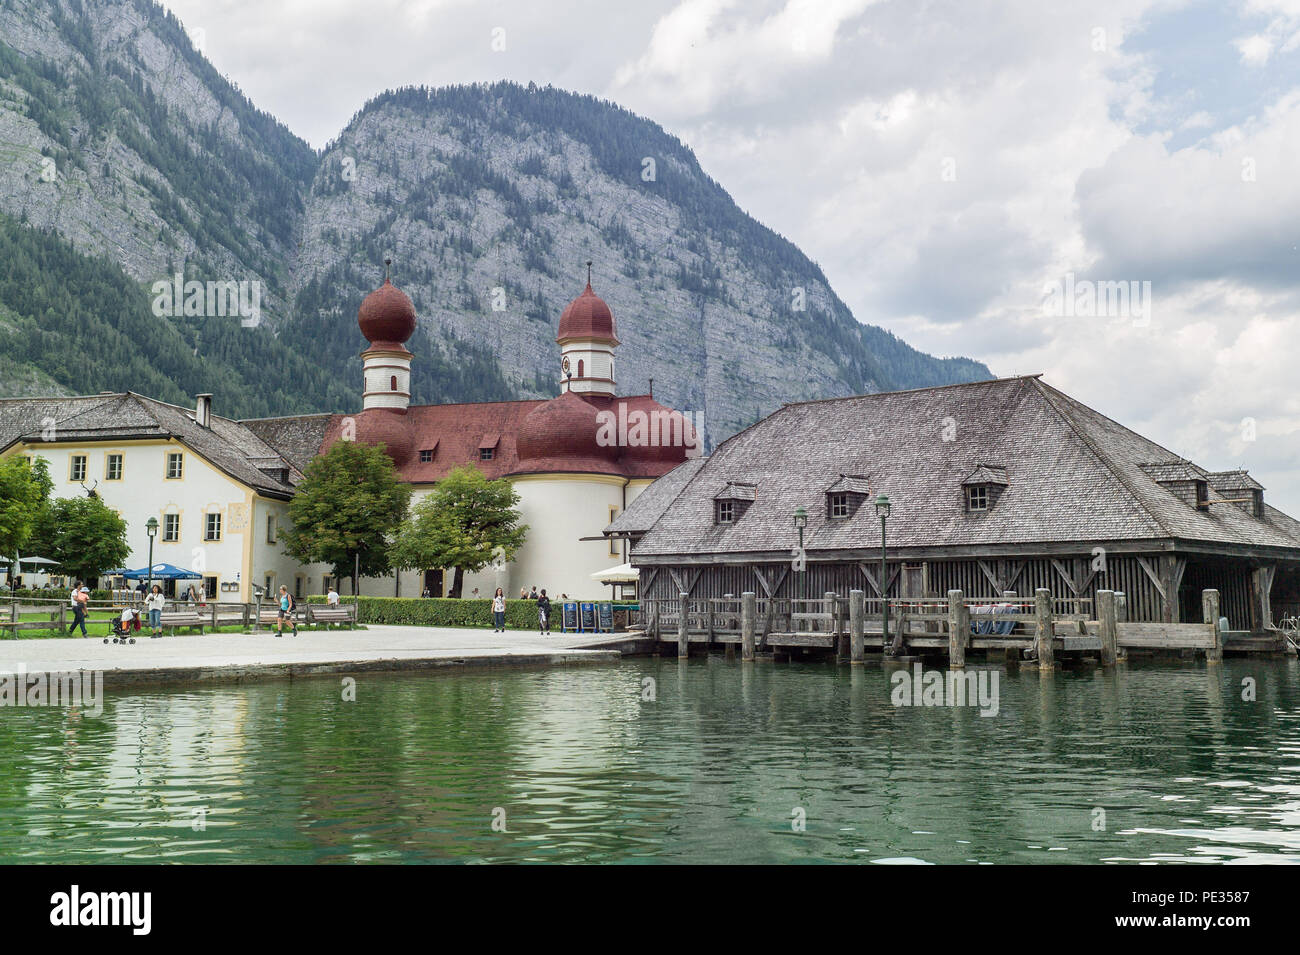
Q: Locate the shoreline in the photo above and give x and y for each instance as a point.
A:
(235, 658)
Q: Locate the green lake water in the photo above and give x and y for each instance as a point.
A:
(728, 763)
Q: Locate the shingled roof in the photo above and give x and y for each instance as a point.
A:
(1073, 475)
(227, 444)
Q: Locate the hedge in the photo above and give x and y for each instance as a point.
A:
(444, 611)
(54, 593)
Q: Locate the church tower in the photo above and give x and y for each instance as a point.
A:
(387, 319)
(587, 341)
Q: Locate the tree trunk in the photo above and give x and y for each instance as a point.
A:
(457, 581)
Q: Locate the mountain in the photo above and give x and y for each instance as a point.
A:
(129, 159)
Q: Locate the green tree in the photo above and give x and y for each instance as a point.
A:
(465, 523)
(85, 535)
(346, 510)
(24, 491)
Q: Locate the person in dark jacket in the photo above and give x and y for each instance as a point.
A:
(544, 614)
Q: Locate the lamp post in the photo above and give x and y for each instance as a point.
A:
(800, 522)
(150, 528)
(882, 508)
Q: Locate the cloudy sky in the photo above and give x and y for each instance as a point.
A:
(954, 165)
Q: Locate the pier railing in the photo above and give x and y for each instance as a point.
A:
(1034, 627)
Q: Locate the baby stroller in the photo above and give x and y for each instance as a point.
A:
(122, 629)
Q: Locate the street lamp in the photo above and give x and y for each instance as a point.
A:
(800, 522)
(150, 528)
(882, 508)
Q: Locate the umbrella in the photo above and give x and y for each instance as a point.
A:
(37, 560)
(162, 572)
(622, 574)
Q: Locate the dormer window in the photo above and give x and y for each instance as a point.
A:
(983, 487)
(845, 496)
(730, 504)
(426, 455)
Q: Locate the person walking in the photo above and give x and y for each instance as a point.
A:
(286, 612)
(499, 611)
(80, 598)
(154, 603)
(544, 614)
(332, 598)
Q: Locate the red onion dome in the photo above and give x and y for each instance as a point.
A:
(387, 316)
(564, 435)
(587, 316)
(387, 426)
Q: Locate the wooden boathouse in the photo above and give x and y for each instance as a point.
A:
(1005, 492)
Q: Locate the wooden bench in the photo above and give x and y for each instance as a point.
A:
(171, 619)
(331, 615)
(272, 617)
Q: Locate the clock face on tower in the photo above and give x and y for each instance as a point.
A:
(564, 365)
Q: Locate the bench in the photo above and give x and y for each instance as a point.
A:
(171, 619)
(331, 615)
(271, 617)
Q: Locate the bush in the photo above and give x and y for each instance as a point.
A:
(444, 611)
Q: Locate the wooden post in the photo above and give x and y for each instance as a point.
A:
(683, 631)
(748, 615)
(214, 616)
(63, 618)
(1210, 609)
(958, 629)
(708, 603)
(1107, 628)
(1043, 635)
(857, 626)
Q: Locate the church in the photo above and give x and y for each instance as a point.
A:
(215, 484)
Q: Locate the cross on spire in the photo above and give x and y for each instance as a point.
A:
(589, 273)
(388, 269)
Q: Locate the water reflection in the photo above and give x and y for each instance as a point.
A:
(706, 761)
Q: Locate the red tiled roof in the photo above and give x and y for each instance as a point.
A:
(457, 432)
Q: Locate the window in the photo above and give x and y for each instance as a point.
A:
(175, 465)
(297, 588)
(77, 468)
(726, 512)
(209, 588)
(269, 584)
(171, 528)
(977, 497)
(113, 467)
(270, 528)
(212, 527)
(839, 506)
(426, 456)
(486, 454)
(392, 383)
(580, 367)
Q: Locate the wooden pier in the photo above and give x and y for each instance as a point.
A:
(1036, 631)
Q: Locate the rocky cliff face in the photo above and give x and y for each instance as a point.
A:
(121, 141)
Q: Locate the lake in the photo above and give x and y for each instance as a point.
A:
(652, 760)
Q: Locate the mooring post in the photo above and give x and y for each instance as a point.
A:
(857, 626)
(748, 616)
(958, 629)
(683, 630)
(833, 625)
(1043, 634)
(1210, 608)
(1107, 627)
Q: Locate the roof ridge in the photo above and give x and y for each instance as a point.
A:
(907, 391)
(1102, 456)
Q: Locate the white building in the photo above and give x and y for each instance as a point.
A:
(220, 488)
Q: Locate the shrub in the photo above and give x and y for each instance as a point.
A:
(444, 611)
